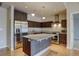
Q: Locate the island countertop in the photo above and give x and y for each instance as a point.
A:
(38, 37)
(36, 44)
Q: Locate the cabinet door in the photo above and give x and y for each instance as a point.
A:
(25, 17)
(26, 46)
(17, 15)
(21, 16)
(63, 38)
(46, 24)
(63, 22)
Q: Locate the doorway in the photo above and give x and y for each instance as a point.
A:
(76, 30)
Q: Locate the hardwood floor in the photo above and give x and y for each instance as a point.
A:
(6, 52)
(54, 50)
(60, 50)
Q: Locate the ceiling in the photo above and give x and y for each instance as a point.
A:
(46, 9)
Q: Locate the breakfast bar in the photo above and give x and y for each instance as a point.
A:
(36, 44)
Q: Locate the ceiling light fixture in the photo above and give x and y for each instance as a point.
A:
(43, 17)
(33, 14)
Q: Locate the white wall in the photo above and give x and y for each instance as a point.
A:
(71, 8)
(3, 27)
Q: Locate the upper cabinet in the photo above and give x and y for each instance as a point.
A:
(46, 24)
(20, 16)
(33, 24)
(63, 19)
(62, 15)
(64, 23)
(39, 24)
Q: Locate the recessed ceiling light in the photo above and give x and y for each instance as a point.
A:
(33, 14)
(43, 17)
(26, 7)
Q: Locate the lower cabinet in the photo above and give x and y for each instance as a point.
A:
(63, 38)
(33, 47)
(26, 46)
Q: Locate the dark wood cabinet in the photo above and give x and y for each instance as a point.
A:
(33, 47)
(39, 24)
(46, 24)
(20, 16)
(64, 23)
(33, 24)
(63, 38)
(27, 46)
(16, 15)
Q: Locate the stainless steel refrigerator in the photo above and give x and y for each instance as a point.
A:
(20, 28)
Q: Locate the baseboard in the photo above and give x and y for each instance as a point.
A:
(41, 52)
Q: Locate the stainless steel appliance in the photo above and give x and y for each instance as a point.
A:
(20, 28)
(55, 39)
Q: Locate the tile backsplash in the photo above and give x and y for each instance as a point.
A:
(47, 30)
(32, 30)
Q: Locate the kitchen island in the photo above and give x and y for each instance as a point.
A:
(36, 44)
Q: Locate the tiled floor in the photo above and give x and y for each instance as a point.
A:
(55, 50)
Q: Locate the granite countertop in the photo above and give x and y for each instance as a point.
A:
(38, 37)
